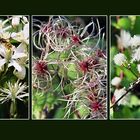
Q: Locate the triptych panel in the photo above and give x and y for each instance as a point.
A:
(69, 67)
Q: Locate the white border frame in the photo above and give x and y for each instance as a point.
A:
(107, 104)
(29, 80)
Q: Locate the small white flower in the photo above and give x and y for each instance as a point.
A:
(4, 27)
(25, 19)
(124, 39)
(116, 81)
(19, 61)
(119, 59)
(15, 20)
(138, 66)
(1, 26)
(135, 41)
(136, 55)
(13, 91)
(2, 67)
(3, 31)
(21, 74)
(14, 57)
(22, 36)
(5, 35)
(6, 54)
(118, 93)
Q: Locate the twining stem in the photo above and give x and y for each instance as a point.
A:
(129, 89)
(121, 97)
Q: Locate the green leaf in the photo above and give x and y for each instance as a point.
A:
(136, 28)
(134, 101)
(56, 84)
(124, 23)
(118, 70)
(123, 112)
(115, 25)
(129, 75)
(127, 112)
(83, 110)
(52, 67)
(72, 72)
(60, 113)
(61, 71)
(134, 68)
(128, 54)
(53, 56)
(64, 55)
(68, 88)
(40, 98)
(50, 98)
(37, 111)
(57, 55)
(125, 83)
(136, 113)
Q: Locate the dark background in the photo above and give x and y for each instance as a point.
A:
(85, 18)
(69, 129)
(77, 7)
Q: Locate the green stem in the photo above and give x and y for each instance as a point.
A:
(4, 73)
(13, 109)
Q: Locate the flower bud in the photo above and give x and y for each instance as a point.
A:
(116, 81)
(15, 21)
(25, 19)
(119, 59)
